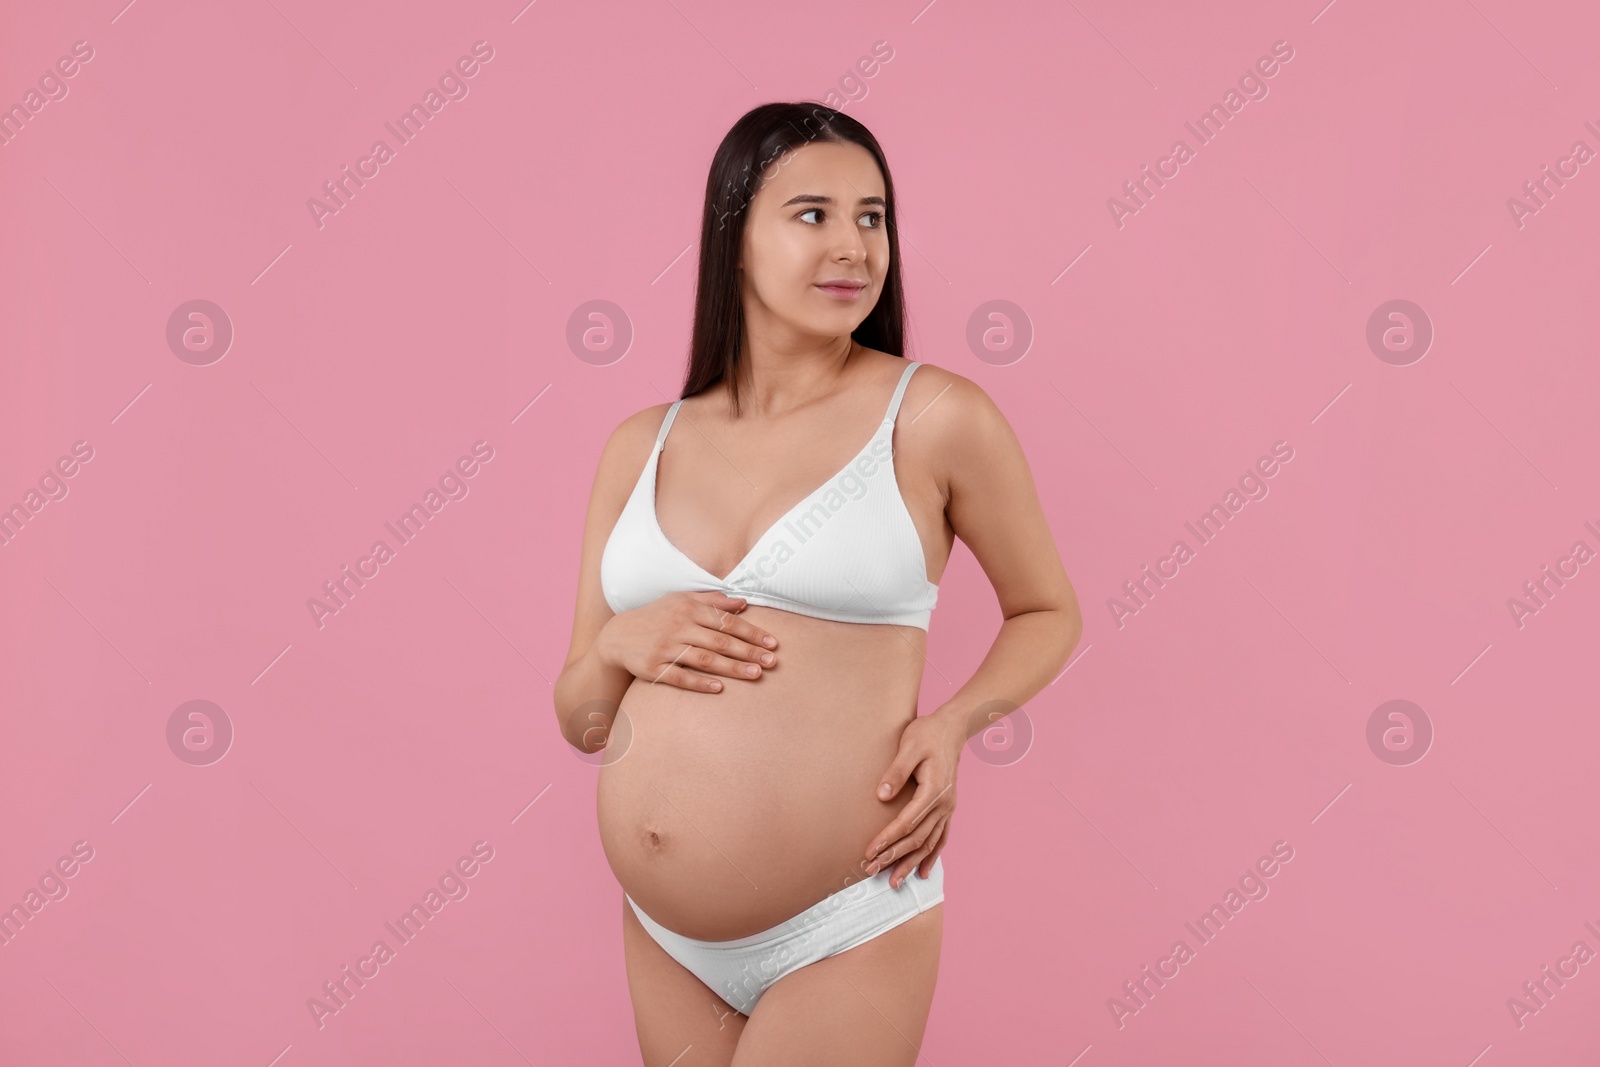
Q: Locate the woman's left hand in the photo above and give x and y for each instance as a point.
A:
(930, 747)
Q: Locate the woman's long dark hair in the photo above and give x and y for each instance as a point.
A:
(761, 137)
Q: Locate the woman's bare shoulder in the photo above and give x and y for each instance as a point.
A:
(641, 424)
(955, 407)
(627, 449)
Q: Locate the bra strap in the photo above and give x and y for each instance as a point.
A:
(900, 390)
(666, 424)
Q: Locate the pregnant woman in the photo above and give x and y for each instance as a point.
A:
(759, 569)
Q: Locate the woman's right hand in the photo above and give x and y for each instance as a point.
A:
(685, 638)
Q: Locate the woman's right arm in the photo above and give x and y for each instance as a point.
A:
(659, 641)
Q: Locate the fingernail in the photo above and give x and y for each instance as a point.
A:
(883, 790)
(770, 641)
(768, 658)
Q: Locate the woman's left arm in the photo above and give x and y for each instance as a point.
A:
(994, 508)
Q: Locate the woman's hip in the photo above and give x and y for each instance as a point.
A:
(740, 969)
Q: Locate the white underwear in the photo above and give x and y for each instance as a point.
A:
(739, 971)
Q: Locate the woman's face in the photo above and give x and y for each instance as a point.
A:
(818, 218)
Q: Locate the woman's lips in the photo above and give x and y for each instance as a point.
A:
(843, 292)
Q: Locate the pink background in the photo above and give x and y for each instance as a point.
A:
(370, 354)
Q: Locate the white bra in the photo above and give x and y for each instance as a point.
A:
(848, 552)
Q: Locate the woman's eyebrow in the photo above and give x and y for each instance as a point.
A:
(812, 198)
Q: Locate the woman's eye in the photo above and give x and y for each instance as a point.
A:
(876, 217)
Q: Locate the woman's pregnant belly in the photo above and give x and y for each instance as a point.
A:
(723, 814)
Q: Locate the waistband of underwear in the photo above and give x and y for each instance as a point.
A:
(915, 888)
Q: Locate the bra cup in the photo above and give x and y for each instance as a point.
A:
(840, 555)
